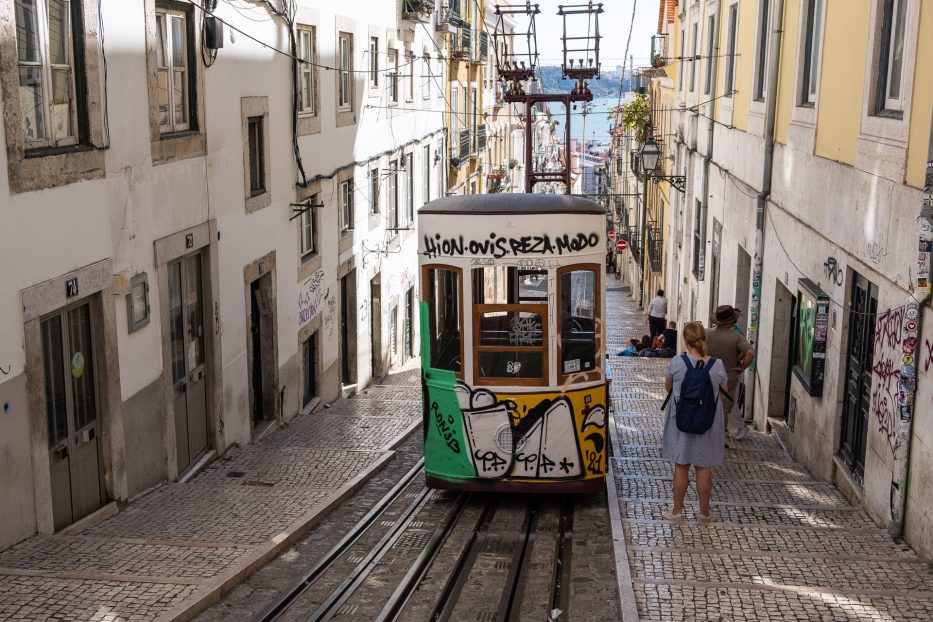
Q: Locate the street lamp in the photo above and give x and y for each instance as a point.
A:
(650, 156)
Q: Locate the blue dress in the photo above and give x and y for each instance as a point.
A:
(702, 450)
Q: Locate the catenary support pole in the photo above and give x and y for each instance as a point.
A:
(761, 205)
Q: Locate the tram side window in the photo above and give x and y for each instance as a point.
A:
(443, 297)
(509, 320)
(578, 321)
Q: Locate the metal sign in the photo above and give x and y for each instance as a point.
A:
(621, 245)
(612, 235)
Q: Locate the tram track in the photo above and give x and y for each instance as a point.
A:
(526, 540)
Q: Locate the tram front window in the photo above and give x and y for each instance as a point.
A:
(443, 298)
(578, 306)
(509, 322)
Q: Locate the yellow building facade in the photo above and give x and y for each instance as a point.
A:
(803, 129)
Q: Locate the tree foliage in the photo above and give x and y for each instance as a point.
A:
(636, 116)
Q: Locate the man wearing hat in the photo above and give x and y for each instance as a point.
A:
(732, 348)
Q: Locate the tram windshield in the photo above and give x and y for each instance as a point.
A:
(509, 322)
(578, 306)
(443, 298)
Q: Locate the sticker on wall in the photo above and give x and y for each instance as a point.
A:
(77, 365)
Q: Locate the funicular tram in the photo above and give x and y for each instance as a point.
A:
(513, 361)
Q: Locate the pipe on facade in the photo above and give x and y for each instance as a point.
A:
(761, 204)
(908, 378)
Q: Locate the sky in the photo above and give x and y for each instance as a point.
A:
(613, 25)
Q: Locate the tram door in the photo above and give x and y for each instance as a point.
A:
(186, 318)
(75, 464)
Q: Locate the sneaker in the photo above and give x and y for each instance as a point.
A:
(741, 434)
(707, 518)
(668, 515)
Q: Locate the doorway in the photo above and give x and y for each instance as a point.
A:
(186, 328)
(782, 340)
(348, 329)
(262, 364)
(714, 268)
(409, 323)
(75, 461)
(863, 307)
(375, 320)
(742, 283)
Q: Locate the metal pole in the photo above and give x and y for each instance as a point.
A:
(529, 165)
(567, 105)
(644, 232)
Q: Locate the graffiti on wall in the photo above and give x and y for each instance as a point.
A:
(310, 296)
(888, 393)
(927, 354)
(833, 271)
(6, 372)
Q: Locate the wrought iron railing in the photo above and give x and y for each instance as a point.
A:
(417, 10)
(655, 248)
(462, 43)
(633, 237)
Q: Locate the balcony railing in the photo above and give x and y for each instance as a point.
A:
(633, 237)
(417, 10)
(448, 14)
(655, 248)
(462, 43)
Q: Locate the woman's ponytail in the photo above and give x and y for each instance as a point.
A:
(695, 336)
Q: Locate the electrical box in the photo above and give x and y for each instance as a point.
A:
(213, 33)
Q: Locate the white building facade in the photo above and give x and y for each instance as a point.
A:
(201, 243)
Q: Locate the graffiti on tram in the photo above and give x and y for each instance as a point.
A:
(477, 433)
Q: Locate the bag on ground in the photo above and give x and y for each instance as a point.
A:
(695, 411)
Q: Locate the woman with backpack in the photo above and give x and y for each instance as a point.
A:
(693, 428)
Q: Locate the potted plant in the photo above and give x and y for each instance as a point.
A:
(513, 163)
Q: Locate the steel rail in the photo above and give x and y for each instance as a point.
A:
(286, 598)
(510, 603)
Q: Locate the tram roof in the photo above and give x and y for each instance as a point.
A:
(517, 203)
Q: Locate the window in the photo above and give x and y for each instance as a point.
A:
(454, 115)
(172, 70)
(409, 322)
(309, 356)
(443, 295)
(393, 336)
(309, 228)
(426, 174)
(699, 240)
(475, 117)
(374, 190)
(683, 52)
(761, 60)
(811, 55)
(393, 194)
(306, 44)
(393, 77)
(410, 72)
(730, 52)
(710, 51)
(441, 168)
(510, 314)
(410, 191)
(374, 62)
(345, 77)
(426, 77)
(693, 58)
(45, 52)
(439, 75)
(346, 205)
(257, 169)
(578, 296)
(891, 62)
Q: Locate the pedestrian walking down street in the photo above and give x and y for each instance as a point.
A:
(657, 312)
(732, 348)
(702, 451)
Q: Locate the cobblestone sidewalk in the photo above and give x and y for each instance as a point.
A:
(170, 553)
(784, 547)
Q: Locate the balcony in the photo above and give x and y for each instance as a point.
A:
(461, 43)
(633, 237)
(417, 10)
(449, 15)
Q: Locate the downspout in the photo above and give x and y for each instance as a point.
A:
(761, 204)
(910, 358)
(711, 125)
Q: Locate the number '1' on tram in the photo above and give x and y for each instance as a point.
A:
(513, 362)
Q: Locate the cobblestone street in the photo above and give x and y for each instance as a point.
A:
(181, 545)
(784, 546)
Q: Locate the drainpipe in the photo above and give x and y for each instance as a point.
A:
(911, 354)
(762, 199)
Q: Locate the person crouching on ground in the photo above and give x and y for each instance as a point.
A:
(693, 423)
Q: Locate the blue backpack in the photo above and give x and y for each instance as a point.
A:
(696, 409)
